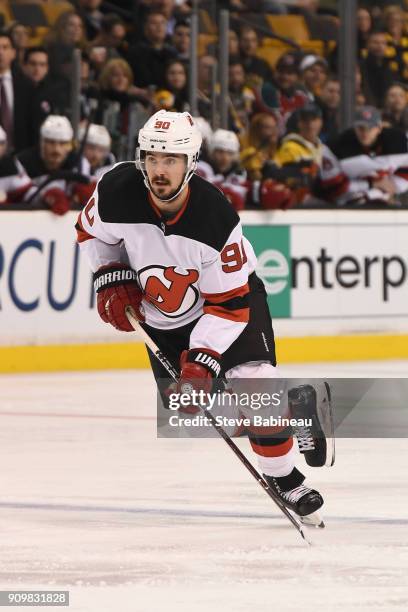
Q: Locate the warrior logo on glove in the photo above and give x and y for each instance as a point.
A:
(171, 289)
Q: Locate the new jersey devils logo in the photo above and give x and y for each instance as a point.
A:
(170, 289)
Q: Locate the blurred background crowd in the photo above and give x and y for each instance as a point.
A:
(78, 79)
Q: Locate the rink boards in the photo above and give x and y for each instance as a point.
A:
(336, 281)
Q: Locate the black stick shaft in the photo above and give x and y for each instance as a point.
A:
(174, 374)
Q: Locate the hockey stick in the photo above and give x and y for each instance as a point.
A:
(175, 375)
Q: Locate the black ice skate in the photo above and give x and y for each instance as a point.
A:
(302, 500)
(316, 442)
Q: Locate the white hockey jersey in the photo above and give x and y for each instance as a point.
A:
(232, 183)
(192, 267)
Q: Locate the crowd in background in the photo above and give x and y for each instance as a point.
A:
(283, 147)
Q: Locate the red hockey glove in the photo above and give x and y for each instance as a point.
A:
(117, 288)
(82, 192)
(198, 369)
(237, 199)
(57, 201)
(274, 195)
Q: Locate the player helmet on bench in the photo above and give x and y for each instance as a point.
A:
(170, 132)
(224, 140)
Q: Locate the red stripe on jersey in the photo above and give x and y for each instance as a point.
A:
(402, 172)
(238, 316)
(218, 298)
(17, 194)
(82, 235)
(159, 212)
(181, 211)
(277, 450)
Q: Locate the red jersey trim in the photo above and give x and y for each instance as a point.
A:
(238, 316)
(218, 298)
(82, 235)
(159, 213)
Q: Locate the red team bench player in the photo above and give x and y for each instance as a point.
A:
(169, 244)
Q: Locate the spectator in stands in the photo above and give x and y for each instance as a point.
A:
(397, 41)
(181, 40)
(206, 64)
(285, 94)
(97, 149)
(233, 43)
(97, 57)
(329, 103)
(35, 64)
(16, 99)
(395, 113)
(256, 68)
(118, 97)
(14, 182)
(376, 74)
(260, 145)
(364, 27)
(66, 35)
(91, 17)
(242, 98)
(314, 72)
(374, 158)
(149, 57)
(111, 37)
(175, 95)
(51, 94)
(166, 8)
(300, 152)
(116, 84)
(45, 164)
(304, 143)
(19, 36)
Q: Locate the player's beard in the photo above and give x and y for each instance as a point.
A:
(160, 191)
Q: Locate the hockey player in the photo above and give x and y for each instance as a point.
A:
(14, 182)
(44, 165)
(374, 158)
(166, 242)
(97, 149)
(223, 169)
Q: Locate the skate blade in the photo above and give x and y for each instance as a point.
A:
(312, 520)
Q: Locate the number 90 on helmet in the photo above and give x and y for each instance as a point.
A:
(170, 132)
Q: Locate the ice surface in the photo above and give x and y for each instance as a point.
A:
(92, 501)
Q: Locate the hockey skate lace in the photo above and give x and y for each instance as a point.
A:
(295, 494)
(304, 438)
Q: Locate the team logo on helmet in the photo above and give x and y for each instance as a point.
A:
(171, 290)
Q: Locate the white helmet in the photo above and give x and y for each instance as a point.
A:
(57, 127)
(224, 140)
(97, 135)
(169, 132)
